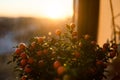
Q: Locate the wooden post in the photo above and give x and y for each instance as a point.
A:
(87, 17)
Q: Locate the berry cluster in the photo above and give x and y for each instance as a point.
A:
(64, 57)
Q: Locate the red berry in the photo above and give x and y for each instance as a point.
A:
(45, 51)
(18, 51)
(77, 54)
(99, 62)
(61, 70)
(56, 64)
(93, 43)
(40, 39)
(27, 69)
(23, 55)
(106, 45)
(30, 60)
(23, 62)
(114, 46)
(112, 54)
(39, 53)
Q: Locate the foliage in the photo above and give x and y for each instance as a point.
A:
(64, 57)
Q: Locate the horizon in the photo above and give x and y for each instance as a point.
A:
(54, 9)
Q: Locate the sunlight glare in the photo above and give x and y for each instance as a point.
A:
(54, 9)
(58, 9)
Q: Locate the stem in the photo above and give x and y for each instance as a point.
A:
(113, 22)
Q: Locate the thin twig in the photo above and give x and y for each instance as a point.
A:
(113, 22)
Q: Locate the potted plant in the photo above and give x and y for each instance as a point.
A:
(63, 57)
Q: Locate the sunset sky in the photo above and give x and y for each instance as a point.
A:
(36, 8)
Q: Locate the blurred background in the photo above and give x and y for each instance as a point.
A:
(21, 20)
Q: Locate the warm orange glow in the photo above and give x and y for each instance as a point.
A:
(58, 9)
(54, 9)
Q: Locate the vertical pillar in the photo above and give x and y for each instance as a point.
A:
(87, 17)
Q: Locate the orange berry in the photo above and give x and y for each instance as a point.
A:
(58, 32)
(61, 70)
(72, 25)
(22, 46)
(33, 45)
(40, 40)
(56, 64)
(39, 53)
(86, 37)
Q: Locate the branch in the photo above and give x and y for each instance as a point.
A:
(113, 22)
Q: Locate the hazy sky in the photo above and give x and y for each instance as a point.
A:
(44, 8)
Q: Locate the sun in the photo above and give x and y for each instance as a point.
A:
(58, 9)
